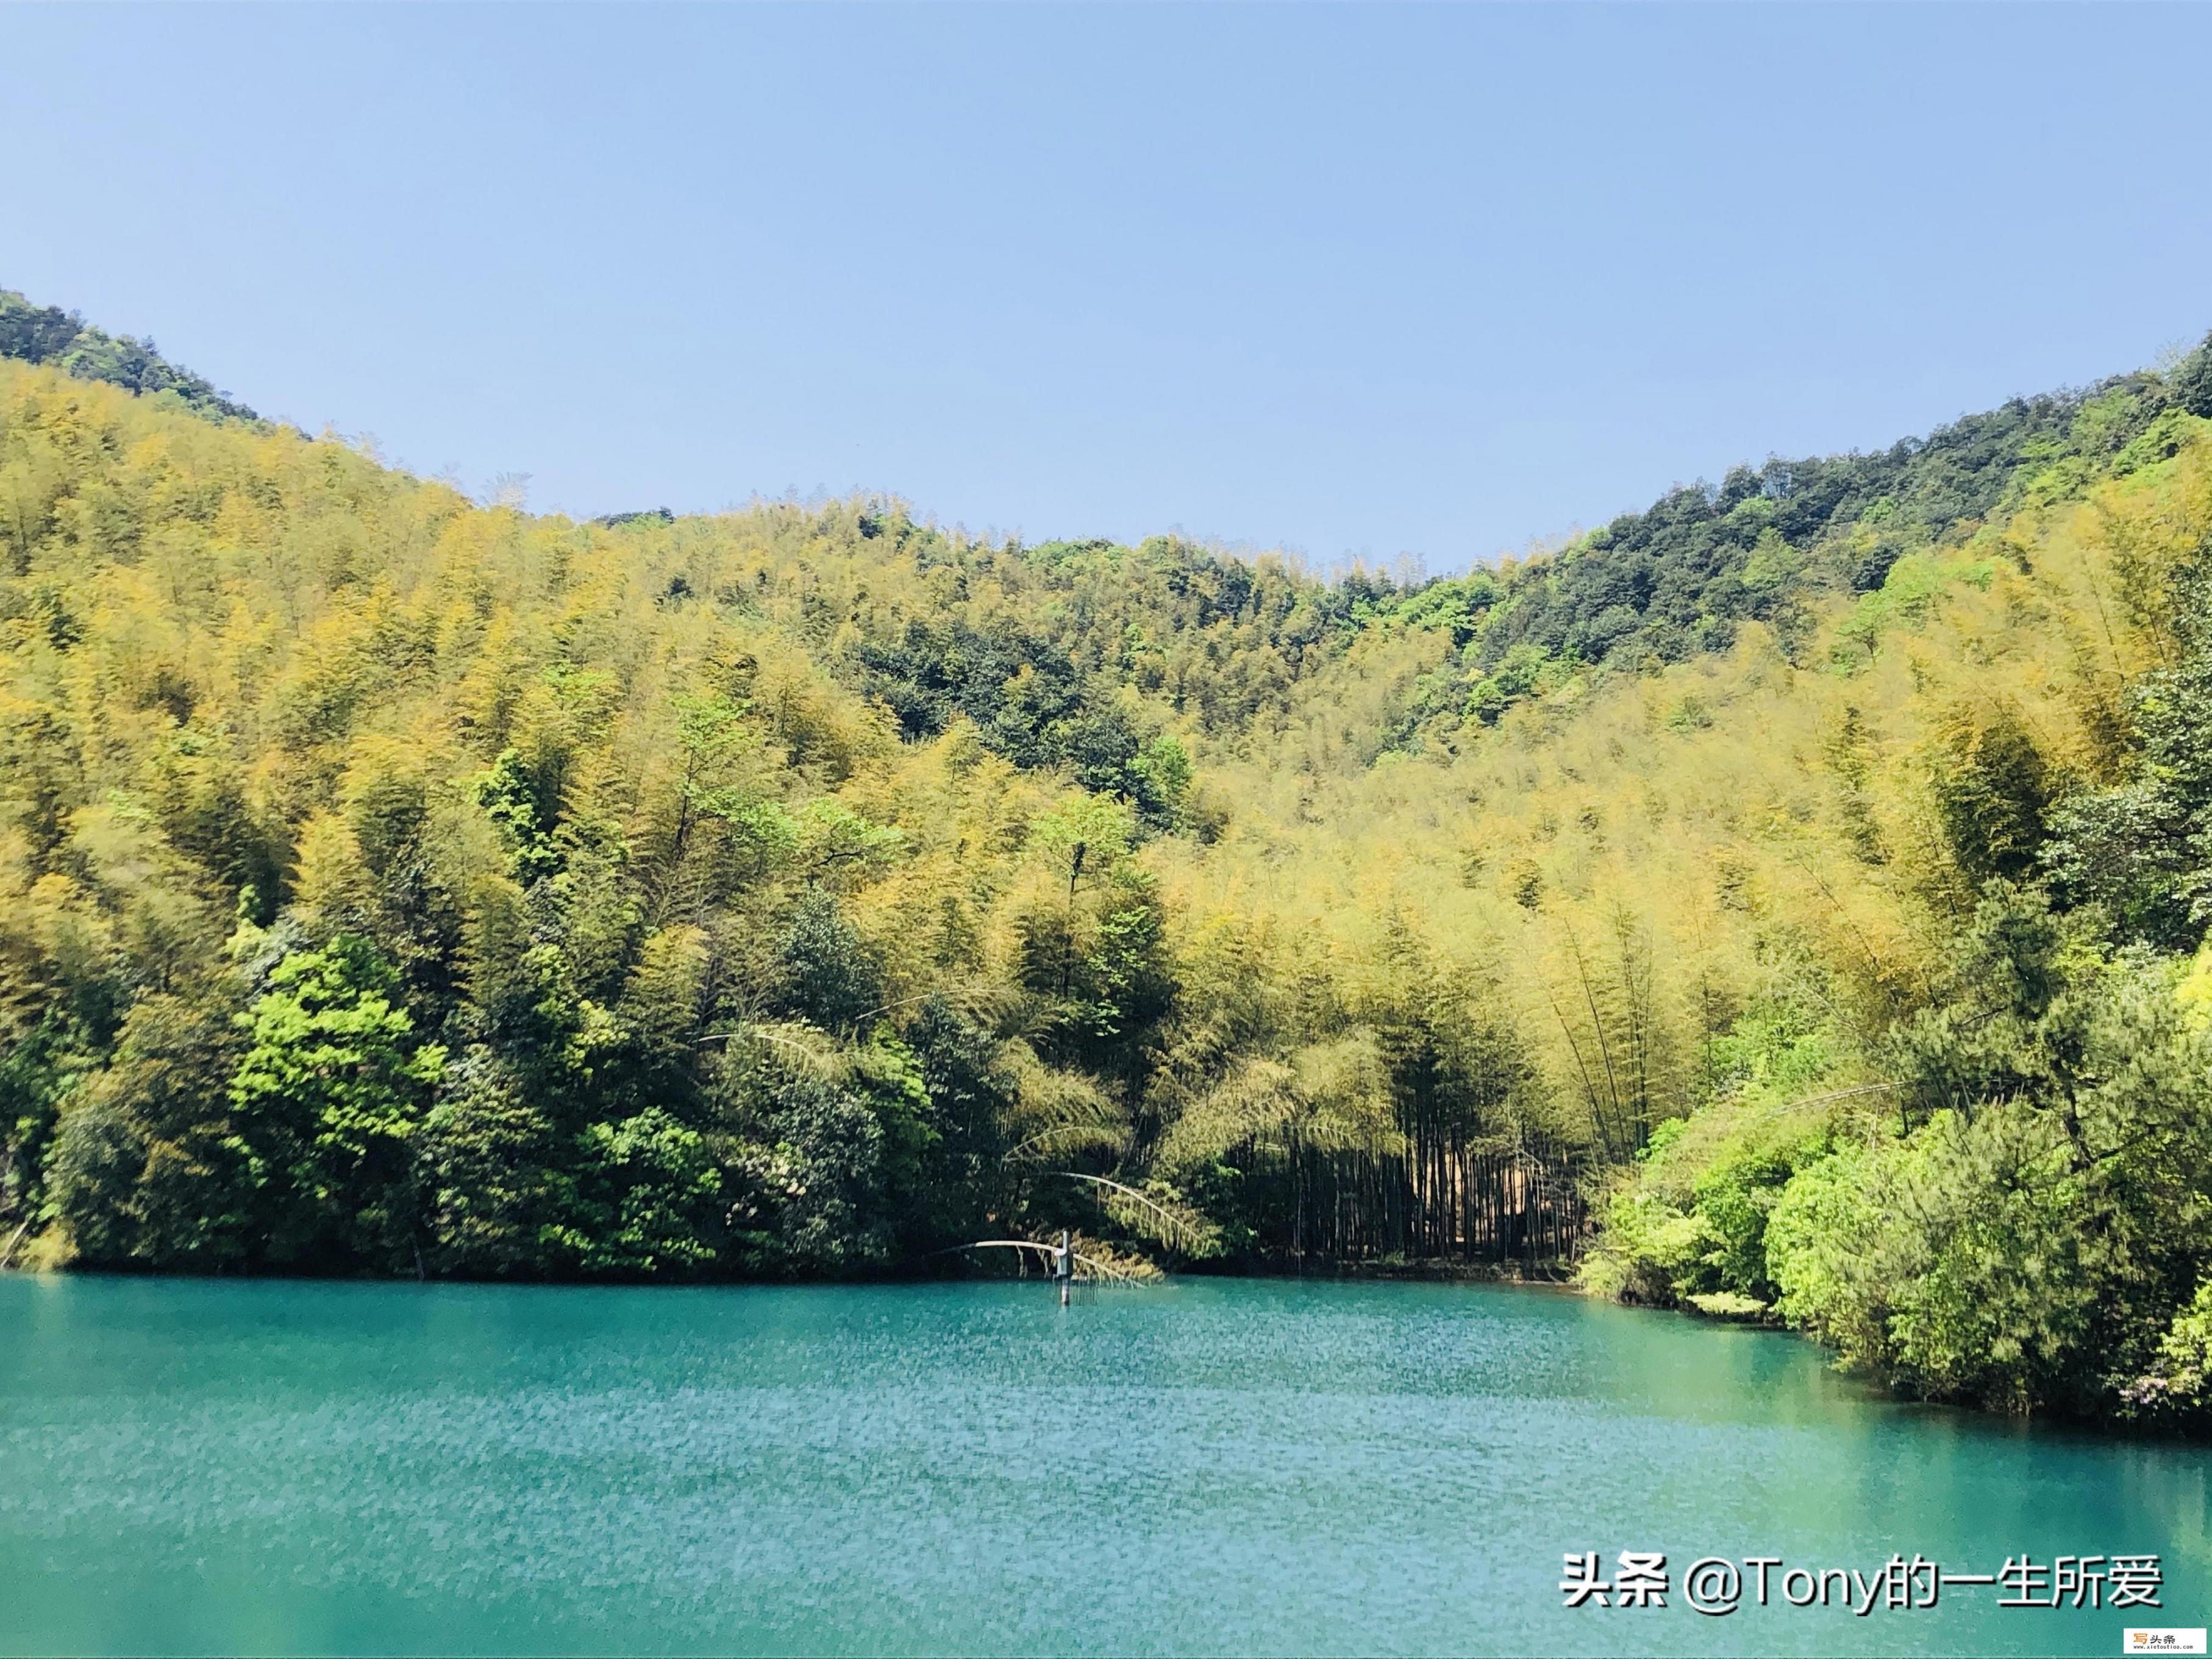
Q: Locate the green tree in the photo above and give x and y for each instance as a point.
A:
(649, 1199)
(327, 1100)
(1992, 787)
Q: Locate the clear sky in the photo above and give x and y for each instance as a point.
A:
(1356, 280)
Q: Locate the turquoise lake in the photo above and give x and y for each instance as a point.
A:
(1204, 1467)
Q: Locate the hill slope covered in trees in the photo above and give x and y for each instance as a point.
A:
(47, 334)
(1806, 875)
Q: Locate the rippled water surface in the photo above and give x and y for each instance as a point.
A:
(1211, 1466)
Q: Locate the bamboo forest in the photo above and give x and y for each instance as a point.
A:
(1787, 903)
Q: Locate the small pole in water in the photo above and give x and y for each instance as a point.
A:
(1063, 1265)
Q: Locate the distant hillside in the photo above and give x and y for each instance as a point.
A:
(1681, 576)
(31, 334)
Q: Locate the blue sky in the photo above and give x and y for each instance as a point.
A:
(1357, 280)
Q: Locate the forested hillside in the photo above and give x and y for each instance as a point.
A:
(1804, 879)
(47, 334)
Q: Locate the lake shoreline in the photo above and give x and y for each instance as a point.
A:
(31, 1262)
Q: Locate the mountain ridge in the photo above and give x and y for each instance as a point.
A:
(1654, 585)
(35, 334)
